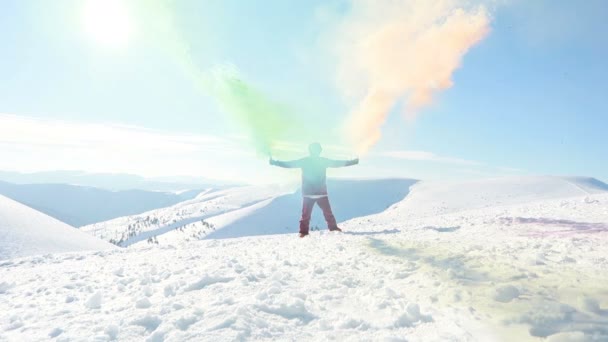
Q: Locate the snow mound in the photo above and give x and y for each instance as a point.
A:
(438, 198)
(25, 231)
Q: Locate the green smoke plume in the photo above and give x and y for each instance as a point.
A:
(266, 120)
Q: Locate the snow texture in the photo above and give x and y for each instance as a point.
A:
(449, 272)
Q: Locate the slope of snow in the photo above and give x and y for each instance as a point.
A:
(435, 198)
(246, 211)
(266, 210)
(24, 232)
(349, 199)
(128, 230)
(531, 270)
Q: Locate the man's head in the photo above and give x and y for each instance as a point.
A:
(315, 149)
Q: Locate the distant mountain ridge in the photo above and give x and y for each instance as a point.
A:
(80, 205)
(114, 181)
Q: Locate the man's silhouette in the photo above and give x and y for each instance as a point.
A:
(314, 187)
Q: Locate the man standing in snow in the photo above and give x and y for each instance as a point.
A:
(314, 187)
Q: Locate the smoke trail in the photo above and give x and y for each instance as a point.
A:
(265, 119)
(391, 51)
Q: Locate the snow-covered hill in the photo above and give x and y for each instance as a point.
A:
(129, 230)
(24, 232)
(246, 211)
(263, 210)
(81, 205)
(434, 198)
(523, 260)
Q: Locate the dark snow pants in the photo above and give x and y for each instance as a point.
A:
(307, 206)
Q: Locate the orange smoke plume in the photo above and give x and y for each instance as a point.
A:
(391, 51)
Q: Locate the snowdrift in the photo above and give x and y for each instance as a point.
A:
(25, 231)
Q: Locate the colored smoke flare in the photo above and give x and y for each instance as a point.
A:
(265, 119)
(391, 51)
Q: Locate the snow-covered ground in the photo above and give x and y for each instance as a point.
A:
(25, 231)
(517, 259)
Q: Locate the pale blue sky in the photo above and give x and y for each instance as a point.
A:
(529, 99)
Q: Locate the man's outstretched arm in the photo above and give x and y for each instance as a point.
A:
(292, 164)
(342, 163)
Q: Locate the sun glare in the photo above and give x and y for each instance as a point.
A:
(107, 22)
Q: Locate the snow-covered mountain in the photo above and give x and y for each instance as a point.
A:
(24, 232)
(433, 198)
(515, 259)
(263, 210)
(82, 205)
(246, 211)
(114, 181)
